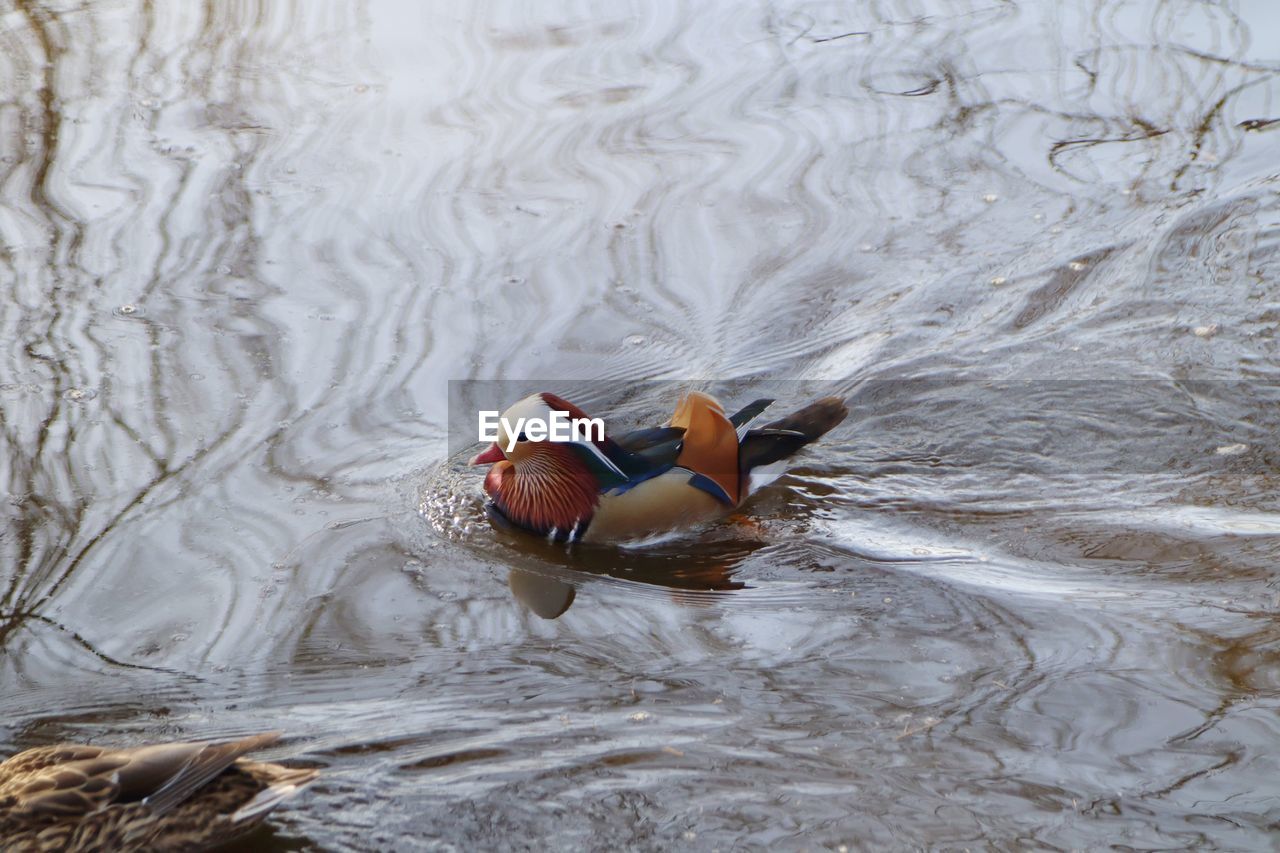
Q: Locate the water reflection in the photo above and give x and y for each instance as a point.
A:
(547, 597)
(549, 591)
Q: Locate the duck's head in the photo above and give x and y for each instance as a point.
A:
(544, 476)
(544, 422)
(514, 442)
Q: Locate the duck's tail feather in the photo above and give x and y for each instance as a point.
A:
(748, 413)
(782, 438)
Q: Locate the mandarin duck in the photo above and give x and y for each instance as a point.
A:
(170, 796)
(651, 482)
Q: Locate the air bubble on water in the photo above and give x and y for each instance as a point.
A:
(223, 269)
(999, 280)
(196, 377)
(633, 340)
(991, 198)
(1205, 331)
(79, 395)
(129, 309)
(1076, 266)
(446, 595)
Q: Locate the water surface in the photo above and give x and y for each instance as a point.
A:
(1025, 596)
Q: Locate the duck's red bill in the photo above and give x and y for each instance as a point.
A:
(488, 457)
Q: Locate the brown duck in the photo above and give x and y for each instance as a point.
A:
(165, 797)
(648, 483)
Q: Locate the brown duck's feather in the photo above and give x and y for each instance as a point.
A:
(814, 420)
(177, 796)
(783, 437)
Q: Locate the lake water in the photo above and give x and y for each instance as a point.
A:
(1027, 595)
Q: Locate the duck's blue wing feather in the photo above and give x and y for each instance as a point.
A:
(636, 456)
(622, 463)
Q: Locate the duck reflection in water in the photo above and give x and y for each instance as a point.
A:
(548, 584)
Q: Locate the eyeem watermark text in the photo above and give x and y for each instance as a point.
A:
(559, 427)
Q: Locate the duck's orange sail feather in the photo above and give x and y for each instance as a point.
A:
(710, 442)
